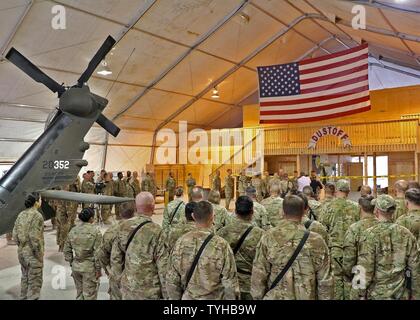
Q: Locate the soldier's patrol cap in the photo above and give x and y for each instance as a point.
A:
(384, 202)
(250, 190)
(343, 185)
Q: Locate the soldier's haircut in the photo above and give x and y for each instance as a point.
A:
(330, 188)
(308, 191)
(366, 188)
(31, 199)
(274, 189)
(413, 185)
(203, 211)
(251, 191)
(304, 198)
(413, 195)
(179, 192)
(401, 185)
(366, 204)
(244, 206)
(293, 206)
(127, 210)
(196, 194)
(189, 209)
(86, 214)
(214, 197)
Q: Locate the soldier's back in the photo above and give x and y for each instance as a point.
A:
(260, 216)
(274, 207)
(401, 208)
(411, 220)
(221, 216)
(177, 232)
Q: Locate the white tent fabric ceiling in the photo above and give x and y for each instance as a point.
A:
(167, 62)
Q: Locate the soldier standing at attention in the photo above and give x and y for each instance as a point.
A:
(172, 212)
(71, 206)
(153, 185)
(221, 216)
(217, 182)
(388, 252)
(108, 190)
(28, 233)
(136, 183)
(400, 187)
(104, 255)
(214, 275)
(274, 206)
(182, 228)
(87, 187)
(170, 186)
(256, 182)
(266, 180)
(190, 185)
(260, 216)
(131, 192)
(81, 251)
(62, 224)
(411, 220)
(337, 217)
(229, 188)
(243, 238)
(352, 240)
(308, 277)
(242, 183)
(138, 256)
(146, 183)
(120, 190)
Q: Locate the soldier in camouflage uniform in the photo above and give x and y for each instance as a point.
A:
(216, 183)
(242, 183)
(28, 233)
(108, 190)
(274, 206)
(329, 189)
(87, 187)
(104, 255)
(275, 180)
(266, 180)
(365, 191)
(170, 186)
(244, 255)
(286, 186)
(309, 277)
(120, 190)
(172, 212)
(260, 216)
(190, 185)
(135, 183)
(196, 196)
(257, 183)
(401, 186)
(229, 188)
(131, 191)
(411, 220)
(387, 253)
(147, 184)
(180, 229)
(81, 251)
(140, 266)
(352, 240)
(62, 224)
(221, 215)
(215, 276)
(71, 206)
(314, 206)
(337, 217)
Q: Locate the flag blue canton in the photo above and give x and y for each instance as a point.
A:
(279, 80)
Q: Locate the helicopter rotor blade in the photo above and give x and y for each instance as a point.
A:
(108, 125)
(96, 60)
(33, 71)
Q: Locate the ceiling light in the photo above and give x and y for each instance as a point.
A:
(245, 18)
(104, 70)
(215, 93)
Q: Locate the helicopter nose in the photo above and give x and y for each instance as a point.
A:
(77, 101)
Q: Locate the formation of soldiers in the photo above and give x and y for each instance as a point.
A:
(279, 243)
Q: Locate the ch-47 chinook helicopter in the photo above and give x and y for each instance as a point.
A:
(56, 157)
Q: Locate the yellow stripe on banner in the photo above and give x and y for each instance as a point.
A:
(370, 177)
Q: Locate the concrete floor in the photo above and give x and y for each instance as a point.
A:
(58, 284)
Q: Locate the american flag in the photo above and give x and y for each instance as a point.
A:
(326, 87)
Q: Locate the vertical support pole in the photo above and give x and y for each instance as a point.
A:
(338, 166)
(298, 163)
(375, 191)
(365, 168)
(416, 166)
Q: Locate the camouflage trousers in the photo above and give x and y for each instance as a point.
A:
(71, 215)
(338, 276)
(106, 213)
(229, 198)
(114, 289)
(86, 285)
(31, 279)
(246, 296)
(62, 228)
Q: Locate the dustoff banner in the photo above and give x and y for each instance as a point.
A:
(329, 131)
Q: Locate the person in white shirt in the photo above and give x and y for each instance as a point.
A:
(303, 181)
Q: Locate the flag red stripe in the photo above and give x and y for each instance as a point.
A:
(325, 117)
(314, 99)
(335, 85)
(334, 65)
(334, 75)
(334, 55)
(315, 109)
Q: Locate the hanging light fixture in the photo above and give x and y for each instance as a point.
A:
(215, 93)
(104, 70)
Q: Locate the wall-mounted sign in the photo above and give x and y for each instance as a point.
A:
(329, 131)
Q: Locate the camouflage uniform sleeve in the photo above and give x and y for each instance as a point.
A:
(165, 222)
(265, 223)
(350, 252)
(366, 259)
(413, 263)
(15, 231)
(260, 271)
(96, 249)
(117, 257)
(68, 250)
(104, 252)
(229, 275)
(173, 276)
(324, 218)
(36, 236)
(161, 258)
(323, 270)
